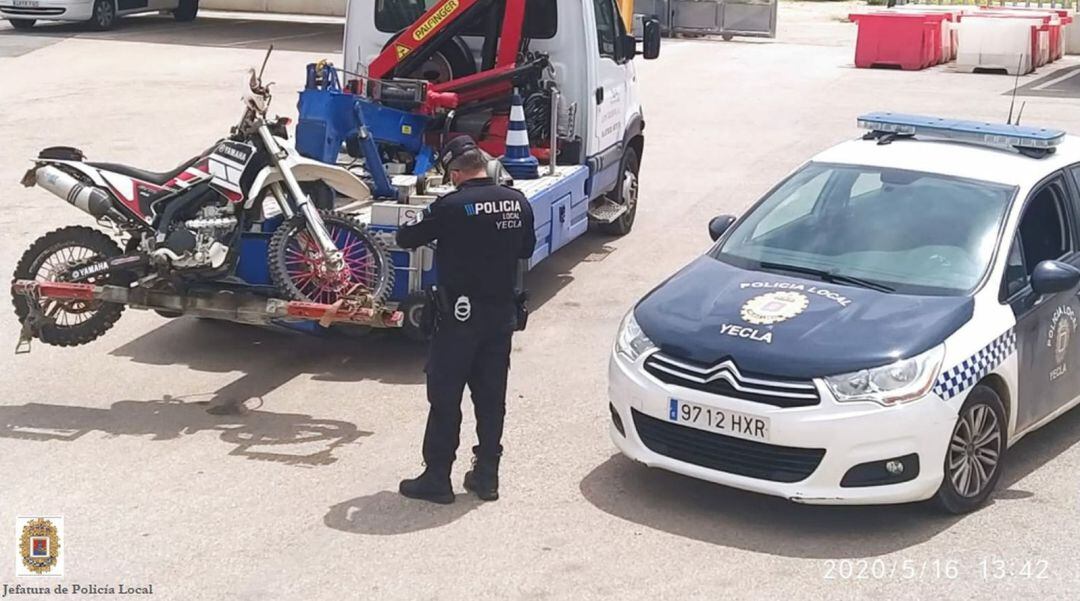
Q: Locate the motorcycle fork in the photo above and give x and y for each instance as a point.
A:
(315, 225)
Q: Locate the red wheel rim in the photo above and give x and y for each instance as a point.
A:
(307, 268)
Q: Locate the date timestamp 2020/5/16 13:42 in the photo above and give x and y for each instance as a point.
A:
(986, 568)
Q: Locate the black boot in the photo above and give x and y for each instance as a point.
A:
(433, 485)
(483, 478)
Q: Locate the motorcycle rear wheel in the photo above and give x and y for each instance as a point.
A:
(297, 268)
(52, 257)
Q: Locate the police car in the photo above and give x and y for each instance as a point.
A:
(879, 328)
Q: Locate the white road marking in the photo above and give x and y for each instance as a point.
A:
(275, 39)
(1058, 80)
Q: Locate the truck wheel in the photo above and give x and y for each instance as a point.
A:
(103, 17)
(186, 10)
(626, 193)
(975, 452)
(22, 24)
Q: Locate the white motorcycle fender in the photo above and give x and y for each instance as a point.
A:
(309, 170)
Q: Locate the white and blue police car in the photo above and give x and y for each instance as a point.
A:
(879, 328)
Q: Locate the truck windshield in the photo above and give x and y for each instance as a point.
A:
(391, 16)
(888, 229)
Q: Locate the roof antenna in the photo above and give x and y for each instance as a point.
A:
(1022, 105)
(1016, 84)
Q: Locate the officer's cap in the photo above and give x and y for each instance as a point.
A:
(457, 146)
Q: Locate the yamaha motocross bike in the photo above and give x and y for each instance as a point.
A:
(184, 230)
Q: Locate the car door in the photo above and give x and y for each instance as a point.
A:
(609, 94)
(1045, 324)
(127, 6)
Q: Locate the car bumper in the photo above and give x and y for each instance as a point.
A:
(46, 10)
(850, 433)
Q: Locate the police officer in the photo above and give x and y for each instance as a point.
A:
(482, 231)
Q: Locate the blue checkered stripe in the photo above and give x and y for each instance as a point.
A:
(969, 371)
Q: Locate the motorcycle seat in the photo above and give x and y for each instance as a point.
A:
(152, 177)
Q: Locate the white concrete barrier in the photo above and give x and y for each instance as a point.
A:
(994, 44)
(333, 8)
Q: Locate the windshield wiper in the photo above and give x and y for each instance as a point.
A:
(829, 276)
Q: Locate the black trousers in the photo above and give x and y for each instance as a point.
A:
(475, 353)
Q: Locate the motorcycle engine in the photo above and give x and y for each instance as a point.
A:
(200, 241)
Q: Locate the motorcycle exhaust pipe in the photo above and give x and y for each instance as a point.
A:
(90, 199)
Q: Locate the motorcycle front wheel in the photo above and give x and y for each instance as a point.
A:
(53, 257)
(299, 270)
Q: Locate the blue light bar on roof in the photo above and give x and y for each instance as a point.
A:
(989, 134)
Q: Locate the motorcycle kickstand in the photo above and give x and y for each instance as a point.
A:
(31, 326)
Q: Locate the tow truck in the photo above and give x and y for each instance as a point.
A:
(425, 71)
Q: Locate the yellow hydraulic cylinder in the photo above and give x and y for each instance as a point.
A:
(626, 10)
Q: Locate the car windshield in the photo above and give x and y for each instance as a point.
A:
(888, 229)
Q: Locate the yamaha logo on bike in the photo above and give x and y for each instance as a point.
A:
(85, 272)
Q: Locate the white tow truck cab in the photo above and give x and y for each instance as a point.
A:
(591, 55)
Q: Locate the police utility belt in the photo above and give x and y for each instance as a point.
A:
(444, 304)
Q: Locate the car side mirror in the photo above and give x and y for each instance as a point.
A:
(650, 38)
(1051, 277)
(719, 225)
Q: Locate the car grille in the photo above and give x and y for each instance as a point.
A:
(32, 11)
(726, 453)
(724, 379)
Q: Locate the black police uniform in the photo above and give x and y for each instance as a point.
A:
(481, 231)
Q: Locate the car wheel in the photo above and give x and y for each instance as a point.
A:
(974, 456)
(186, 10)
(22, 24)
(626, 193)
(103, 17)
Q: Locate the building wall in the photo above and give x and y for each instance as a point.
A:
(334, 8)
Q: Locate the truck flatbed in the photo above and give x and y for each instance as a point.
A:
(560, 214)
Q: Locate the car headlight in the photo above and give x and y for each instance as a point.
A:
(892, 384)
(632, 342)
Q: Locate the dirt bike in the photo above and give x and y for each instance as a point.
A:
(198, 235)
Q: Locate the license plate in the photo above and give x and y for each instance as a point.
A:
(27, 3)
(719, 420)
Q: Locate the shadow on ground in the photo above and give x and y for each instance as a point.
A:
(269, 358)
(387, 513)
(204, 31)
(724, 516)
(288, 438)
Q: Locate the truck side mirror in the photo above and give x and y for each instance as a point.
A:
(650, 29)
(1050, 277)
(719, 225)
(627, 48)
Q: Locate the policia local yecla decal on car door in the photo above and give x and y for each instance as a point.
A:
(787, 300)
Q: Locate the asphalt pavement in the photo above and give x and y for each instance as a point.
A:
(296, 498)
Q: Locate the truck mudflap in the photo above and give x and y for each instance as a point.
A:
(239, 307)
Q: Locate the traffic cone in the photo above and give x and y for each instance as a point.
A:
(519, 162)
